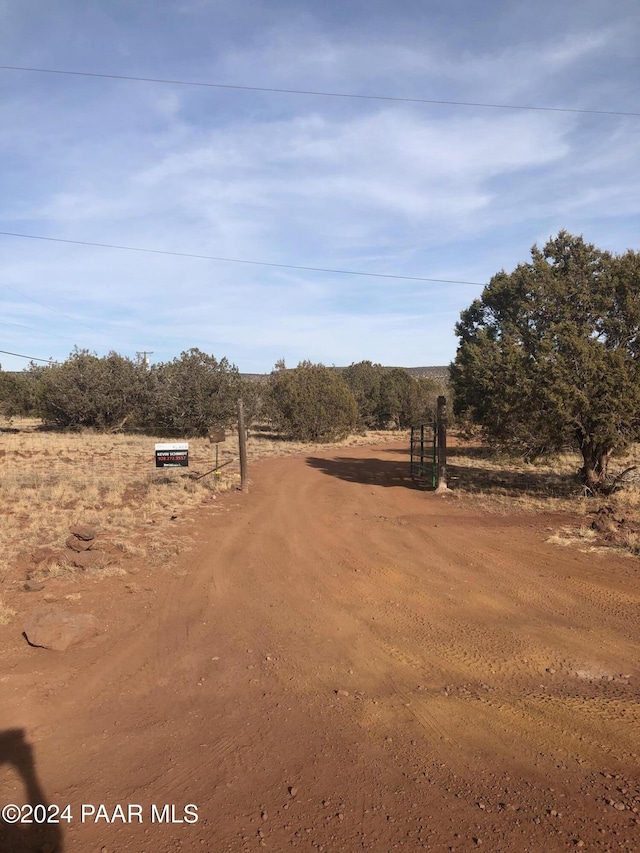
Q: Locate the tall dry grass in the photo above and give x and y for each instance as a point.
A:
(549, 482)
(50, 480)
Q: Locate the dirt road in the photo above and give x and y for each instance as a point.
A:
(339, 663)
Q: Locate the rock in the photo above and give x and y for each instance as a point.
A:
(42, 553)
(57, 558)
(33, 586)
(76, 544)
(53, 560)
(342, 693)
(59, 629)
(85, 560)
(83, 531)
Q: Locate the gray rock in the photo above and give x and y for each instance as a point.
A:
(59, 629)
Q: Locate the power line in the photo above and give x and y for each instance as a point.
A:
(29, 357)
(321, 94)
(241, 261)
(40, 331)
(85, 323)
(37, 302)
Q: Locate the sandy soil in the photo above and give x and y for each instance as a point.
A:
(340, 662)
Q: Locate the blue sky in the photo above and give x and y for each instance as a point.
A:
(386, 187)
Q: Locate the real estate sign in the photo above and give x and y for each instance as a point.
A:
(172, 454)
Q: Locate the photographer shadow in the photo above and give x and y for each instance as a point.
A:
(34, 837)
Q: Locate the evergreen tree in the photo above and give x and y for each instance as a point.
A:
(549, 355)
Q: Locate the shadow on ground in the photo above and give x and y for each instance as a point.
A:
(29, 833)
(500, 479)
(374, 472)
(505, 478)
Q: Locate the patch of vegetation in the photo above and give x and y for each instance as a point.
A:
(390, 399)
(183, 397)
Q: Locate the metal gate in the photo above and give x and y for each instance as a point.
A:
(424, 454)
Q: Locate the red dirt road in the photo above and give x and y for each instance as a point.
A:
(340, 663)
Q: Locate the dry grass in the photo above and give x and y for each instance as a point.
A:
(6, 613)
(265, 443)
(581, 537)
(504, 484)
(630, 541)
(547, 484)
(51, 480)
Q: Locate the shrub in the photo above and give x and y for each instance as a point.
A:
(188, 395)
(311, 403)
(87, 391)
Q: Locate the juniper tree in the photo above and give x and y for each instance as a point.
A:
(311, 402)
(190, 394)
(549, 355)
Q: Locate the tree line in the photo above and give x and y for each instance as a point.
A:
(548, 359)
(195, 392)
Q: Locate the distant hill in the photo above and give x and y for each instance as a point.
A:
(438, 374)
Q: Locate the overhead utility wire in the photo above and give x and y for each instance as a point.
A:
(82, 320)
(241, 261)
(37, 302)
(40, 331)
(29, 357)
(319, 93)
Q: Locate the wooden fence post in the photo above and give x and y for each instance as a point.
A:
(442, 444)
(242, 444)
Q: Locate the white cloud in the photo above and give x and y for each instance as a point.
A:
(380, 186)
